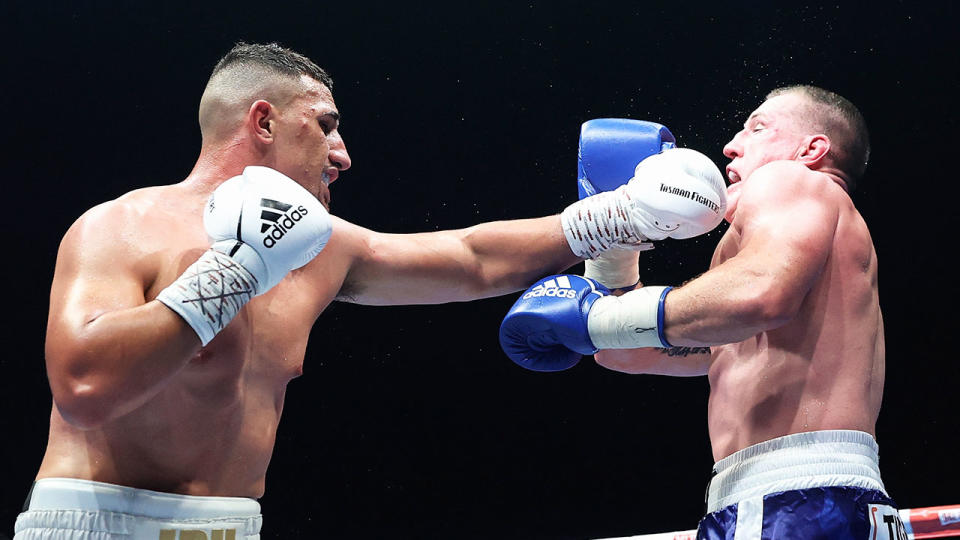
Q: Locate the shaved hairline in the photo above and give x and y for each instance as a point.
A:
(232, 90)
(250, 72)
(836, 117)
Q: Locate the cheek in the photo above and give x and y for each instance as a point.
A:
(761, 154)
(733, 197)
(321, 152)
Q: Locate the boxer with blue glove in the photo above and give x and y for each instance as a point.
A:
(786, 324)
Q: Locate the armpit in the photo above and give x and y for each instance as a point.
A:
(349, 292)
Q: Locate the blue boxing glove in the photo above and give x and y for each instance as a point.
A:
(561, 318)
(611, 148)
(546, 329)
(609, 151)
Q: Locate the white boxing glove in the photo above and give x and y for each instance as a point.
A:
(262, 225)
(267, 222)
(678, 193)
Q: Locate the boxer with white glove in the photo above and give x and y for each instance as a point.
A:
(562, 317)
(678, 193)
(263, 225)
(607, 155)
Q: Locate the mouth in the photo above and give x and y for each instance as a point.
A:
(330, 175)
(733, 175)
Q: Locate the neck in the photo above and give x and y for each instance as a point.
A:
(836, 175)
(218, 163)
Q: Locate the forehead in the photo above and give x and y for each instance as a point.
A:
(316, 96)
(782, 105)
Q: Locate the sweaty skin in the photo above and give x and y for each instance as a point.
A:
(138, 402)
(789, 308)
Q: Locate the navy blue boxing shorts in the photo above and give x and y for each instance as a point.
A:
(814, 485)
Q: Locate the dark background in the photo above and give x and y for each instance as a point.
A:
(409, 421)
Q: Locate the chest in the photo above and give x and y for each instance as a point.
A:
(264, 344)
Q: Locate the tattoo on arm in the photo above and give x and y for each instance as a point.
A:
(685, 351)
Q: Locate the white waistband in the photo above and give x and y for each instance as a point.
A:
(798, 461)
(74, 494)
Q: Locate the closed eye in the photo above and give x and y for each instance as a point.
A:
(329, 122)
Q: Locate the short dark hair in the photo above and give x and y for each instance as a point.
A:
(841, 121)
(276, 58)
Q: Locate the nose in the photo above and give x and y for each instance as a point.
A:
(733, 149)
(338, 155)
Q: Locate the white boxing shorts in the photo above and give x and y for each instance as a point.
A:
(71, 509)
(805, 486)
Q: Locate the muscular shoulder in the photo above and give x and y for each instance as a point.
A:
(789, 179)
(347, 239)
(130, 206)
(783, 186)
(128, 228)
(117, 219)
(348, 244)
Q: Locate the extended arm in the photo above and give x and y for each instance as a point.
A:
(677, 194)
(448, 266)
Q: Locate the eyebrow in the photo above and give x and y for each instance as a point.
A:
(755, 114)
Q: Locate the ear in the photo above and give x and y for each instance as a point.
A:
(814, 150)
(261, 117)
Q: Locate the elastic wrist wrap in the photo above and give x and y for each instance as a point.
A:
(210, 293)
(629, 321)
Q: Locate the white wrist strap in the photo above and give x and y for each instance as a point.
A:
(595, 224)
(614, 269)
(629, 321)
(209, 293)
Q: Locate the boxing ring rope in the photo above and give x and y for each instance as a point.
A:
(930, 522)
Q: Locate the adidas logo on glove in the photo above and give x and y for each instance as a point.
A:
(559, 287)
(278, 220)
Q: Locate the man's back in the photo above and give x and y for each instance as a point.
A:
(822, 369)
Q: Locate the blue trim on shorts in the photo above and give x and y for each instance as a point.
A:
(829, 513)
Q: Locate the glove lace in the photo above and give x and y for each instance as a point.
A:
(598, 223)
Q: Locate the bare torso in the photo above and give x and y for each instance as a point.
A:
(824, 369)
(168, 418)
(211, 429)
